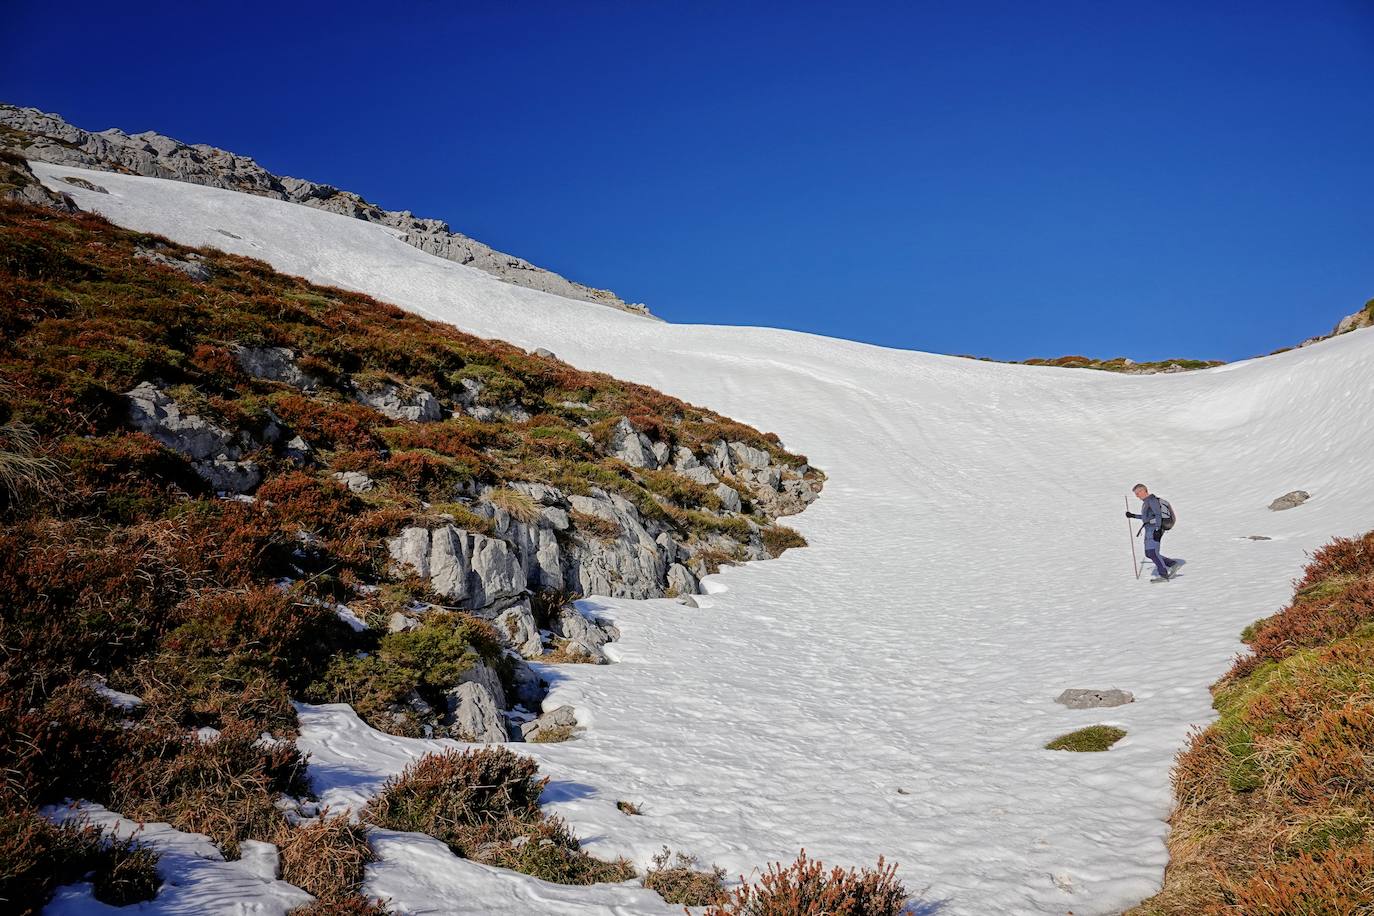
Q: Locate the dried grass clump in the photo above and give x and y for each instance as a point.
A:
(520, 506)
(37, 856)
(24, 467)
(484, 804)
(595, 526)
(326, 858)
(679, 878)
(225, 787)
(1275, 810)
(355, 905)
(806, 888)
(780, 538)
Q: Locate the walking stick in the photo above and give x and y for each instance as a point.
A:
(1136, 562)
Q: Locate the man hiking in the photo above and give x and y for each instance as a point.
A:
(1152, 514)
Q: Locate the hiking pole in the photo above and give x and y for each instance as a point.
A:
(1135, 562)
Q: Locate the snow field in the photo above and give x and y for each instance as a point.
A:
(888, 690)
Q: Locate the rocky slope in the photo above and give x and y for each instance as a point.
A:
(48, 138)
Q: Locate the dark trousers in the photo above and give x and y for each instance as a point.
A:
(1162, 563)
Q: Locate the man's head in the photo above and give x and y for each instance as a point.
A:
(1140, 490)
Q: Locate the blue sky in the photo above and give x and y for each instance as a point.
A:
(1005, 179)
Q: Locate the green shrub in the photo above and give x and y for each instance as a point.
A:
(1092, 738)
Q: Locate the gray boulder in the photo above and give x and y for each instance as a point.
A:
(276, 364)
(356, 481)
(516, 624)
(401, 623)
(631, 446)
(214, 451)
(481, 673)
(681, 581)
(1094, 699)
(584, 636)
(746, 456)
(472, 570)
(399, 403)
(1290, 500)
(192, 265)
(729, 498)
(562, 717)
(471, 714)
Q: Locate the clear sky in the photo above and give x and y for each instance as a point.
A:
(1007, 179)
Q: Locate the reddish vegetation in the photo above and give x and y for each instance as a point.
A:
(808, 888)
(1275, 810)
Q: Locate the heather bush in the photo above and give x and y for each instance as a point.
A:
(442, 794)
(326, 858)
(779, 538)
(681, 879)
(807, 888)
(37, 856)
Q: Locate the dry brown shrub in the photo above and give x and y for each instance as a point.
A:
(807, 888)
(326, 858)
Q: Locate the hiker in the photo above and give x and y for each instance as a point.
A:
(1152, 514)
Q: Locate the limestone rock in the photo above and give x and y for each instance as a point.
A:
(48, 138)
(400, 623)
(1290, 500)
(470, 569)
(632, 446)
(472, 715)
(356, 481)
(746, 456)
(399, 403)
(517, 625)
(681, 581)
(562, 717)
(277, 364)
(214, 452)
(192, 265)
(1094, 699)
(729, 498)
(481, 673)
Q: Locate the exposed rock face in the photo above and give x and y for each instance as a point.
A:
(356, 481)
(562, 717)
(585, 637)
(472, 714)
(213, 451)
(276, 364)
(19, 183)
(1290, 500)
(517, 625)
(192, 266)
(471, 570)
(1094, 699)
(48, 138)
(400, 403)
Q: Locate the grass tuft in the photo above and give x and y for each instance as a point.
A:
(1086, 740)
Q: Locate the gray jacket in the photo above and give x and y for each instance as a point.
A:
(1151, 514)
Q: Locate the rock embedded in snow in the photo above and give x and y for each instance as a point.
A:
(681, 581)
(83, 183)
(1078, 698)
(1290, 500)
(562, 717)
(472, 714)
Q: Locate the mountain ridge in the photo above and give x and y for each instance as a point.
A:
(48, 137)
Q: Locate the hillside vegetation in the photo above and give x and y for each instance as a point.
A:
(1275, 800)
(212, 477)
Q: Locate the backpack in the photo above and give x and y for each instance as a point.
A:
(1167, 516)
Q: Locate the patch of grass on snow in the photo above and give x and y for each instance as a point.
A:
(1092, 738)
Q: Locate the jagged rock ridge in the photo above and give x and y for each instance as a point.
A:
(47, 137)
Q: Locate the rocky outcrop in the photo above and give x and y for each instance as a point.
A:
(471, 570)
(19, 183)
(275, 364)
(562, 720)
(472, 714)
(48, 138)
(215, 453)
(192, 266)
(584, 637)
(1290, 500)
(402, 403)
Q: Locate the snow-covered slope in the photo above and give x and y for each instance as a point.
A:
(888, 690)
